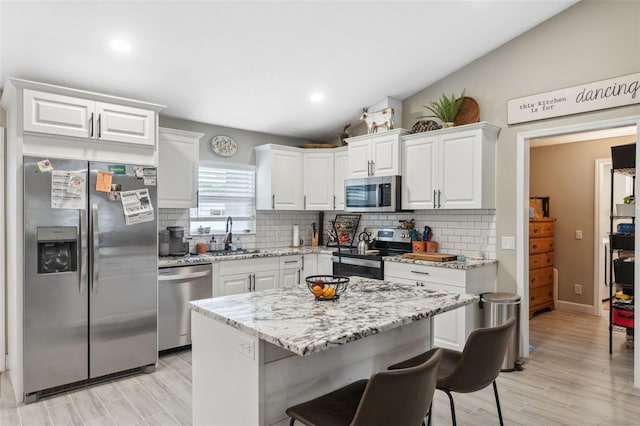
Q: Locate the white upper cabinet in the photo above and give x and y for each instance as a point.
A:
(376, 154)
(58, 114)
(318, 179)
(279, 178)
(340, 170)
(450, 168)
(178, 153)
(121, 123)
(420, 173)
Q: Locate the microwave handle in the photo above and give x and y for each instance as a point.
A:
(380, 192)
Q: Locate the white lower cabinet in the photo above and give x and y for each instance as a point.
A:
(242, 276)
(309, 266)
(325, 265)
(290, 271)
(450, 329)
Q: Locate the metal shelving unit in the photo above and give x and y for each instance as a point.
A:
(620, 241)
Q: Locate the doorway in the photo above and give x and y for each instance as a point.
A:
(522, 207)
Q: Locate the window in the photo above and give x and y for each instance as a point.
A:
(223, 191)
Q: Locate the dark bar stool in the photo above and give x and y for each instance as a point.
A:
(398, 397)
(474, 368)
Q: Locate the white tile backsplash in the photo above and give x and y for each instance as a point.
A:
(456, 231)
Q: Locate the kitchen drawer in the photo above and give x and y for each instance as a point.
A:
(541, 229)
(540, 277)
(541, 260)
(433, 274)
(290, 262)
(541, 245)
(258, 264)
(540, 296)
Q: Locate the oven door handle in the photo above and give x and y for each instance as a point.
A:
(357, 262)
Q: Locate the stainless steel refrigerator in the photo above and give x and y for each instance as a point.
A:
(90, 271)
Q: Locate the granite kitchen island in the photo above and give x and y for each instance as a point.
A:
(257, 353)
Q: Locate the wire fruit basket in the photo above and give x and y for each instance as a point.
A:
(327, 287)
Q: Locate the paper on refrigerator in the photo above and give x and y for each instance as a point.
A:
(137, 206)
(68, 190)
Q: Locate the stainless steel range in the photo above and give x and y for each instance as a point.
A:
(385, 242)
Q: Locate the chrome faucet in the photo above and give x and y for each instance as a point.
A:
(228, 238)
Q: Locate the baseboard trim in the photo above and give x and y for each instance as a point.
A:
(575, 307)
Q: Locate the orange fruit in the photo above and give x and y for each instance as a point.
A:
(328, 292)
(317, 290)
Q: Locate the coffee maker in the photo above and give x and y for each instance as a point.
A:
(177, 244)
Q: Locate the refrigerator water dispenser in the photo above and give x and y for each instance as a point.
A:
(57, 249)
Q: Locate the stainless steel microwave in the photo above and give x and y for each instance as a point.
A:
(373, 194)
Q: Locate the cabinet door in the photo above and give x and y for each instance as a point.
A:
(120, 123)
(234, 284)
(289, 277)
(325, 264)
(359, 153)
(177, 168)
(340, 171)
(420, 173)
(318, 180)
(286, 180)
(309, 266)
(461, 170)
(385, 155)
(265, 280)
(58, 114)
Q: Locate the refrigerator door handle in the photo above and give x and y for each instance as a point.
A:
(83, 252)
(95, 259)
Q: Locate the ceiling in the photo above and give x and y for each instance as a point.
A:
(254, 65)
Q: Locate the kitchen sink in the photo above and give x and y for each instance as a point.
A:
(232, 253)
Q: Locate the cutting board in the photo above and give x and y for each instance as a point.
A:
(431, 257)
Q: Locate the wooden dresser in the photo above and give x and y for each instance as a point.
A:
(541, 245)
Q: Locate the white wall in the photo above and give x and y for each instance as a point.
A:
(591, 41)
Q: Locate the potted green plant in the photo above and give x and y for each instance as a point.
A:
(445, 109)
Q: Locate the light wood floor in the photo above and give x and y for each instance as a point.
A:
(569, 379)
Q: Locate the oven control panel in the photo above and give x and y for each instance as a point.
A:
(399, 235)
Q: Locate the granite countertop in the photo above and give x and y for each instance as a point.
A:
(466, 264)
(210, 258)
(292, 319)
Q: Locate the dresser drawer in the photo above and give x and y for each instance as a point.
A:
(541, 245)
(540, 296)
(540, 277)
(541, 260)
(541, 229)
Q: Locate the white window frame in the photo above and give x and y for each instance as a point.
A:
(240, 223)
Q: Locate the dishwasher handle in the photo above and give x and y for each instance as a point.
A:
(179, 277)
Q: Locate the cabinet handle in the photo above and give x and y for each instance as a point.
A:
(533, 280)
(535, 230)
(334, 202)
(273, 201)
(421, 272)
(249, 282)
(91, 126)
(302, 263)
(373, 168)
(305, 202)
(534, 246)
(439, 194)
(299, 276)
(368, 168)
(290, 261)
(99, 126)
(434, 198)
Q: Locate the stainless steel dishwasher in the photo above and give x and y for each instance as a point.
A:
(177, 285)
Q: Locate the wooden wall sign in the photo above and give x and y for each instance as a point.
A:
(604, 94)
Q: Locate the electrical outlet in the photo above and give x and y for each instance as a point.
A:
(578, 234)
(508, 243)
(577, 288)
(246, 348)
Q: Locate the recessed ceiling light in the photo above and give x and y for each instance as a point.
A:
(120, 45)
(317, 97)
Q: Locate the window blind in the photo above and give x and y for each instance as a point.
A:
(225, 190)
